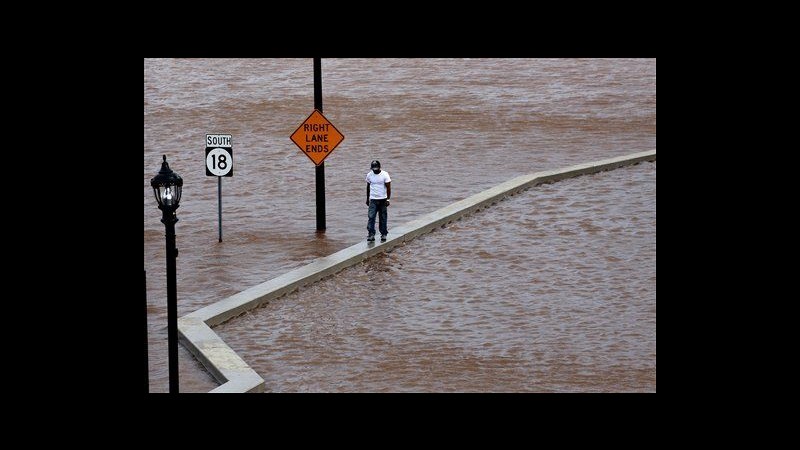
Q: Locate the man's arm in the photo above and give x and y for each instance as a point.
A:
(367, 194)
(388, 190)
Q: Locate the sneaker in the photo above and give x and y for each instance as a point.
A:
(371, 238)
(383, 237)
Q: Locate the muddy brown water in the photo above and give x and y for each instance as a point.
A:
(444, 129)
(552, 290)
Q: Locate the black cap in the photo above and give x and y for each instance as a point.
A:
(375, 164)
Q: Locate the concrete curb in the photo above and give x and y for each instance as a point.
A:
(236, 376)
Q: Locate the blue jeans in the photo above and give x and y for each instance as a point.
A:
(377, 207)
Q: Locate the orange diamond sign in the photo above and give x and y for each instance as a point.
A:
(317, 137)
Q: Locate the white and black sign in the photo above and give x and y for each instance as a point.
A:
(219, 155)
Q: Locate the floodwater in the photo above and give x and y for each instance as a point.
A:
(552, 290)
(444, 129)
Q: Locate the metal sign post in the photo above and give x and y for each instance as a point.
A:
(219, 163)
(320, 169)
(316, 137)
(219, 205)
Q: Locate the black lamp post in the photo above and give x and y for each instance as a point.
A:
(167, 186)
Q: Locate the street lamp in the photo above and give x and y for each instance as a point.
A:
(167, 186)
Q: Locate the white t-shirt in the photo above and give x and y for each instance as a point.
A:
(377, 188)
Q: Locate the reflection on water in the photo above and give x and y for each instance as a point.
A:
(444, 129)
(552, 290)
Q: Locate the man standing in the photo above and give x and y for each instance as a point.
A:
(379, 191)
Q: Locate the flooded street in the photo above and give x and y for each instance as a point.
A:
(549, 290)
(552, 290)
